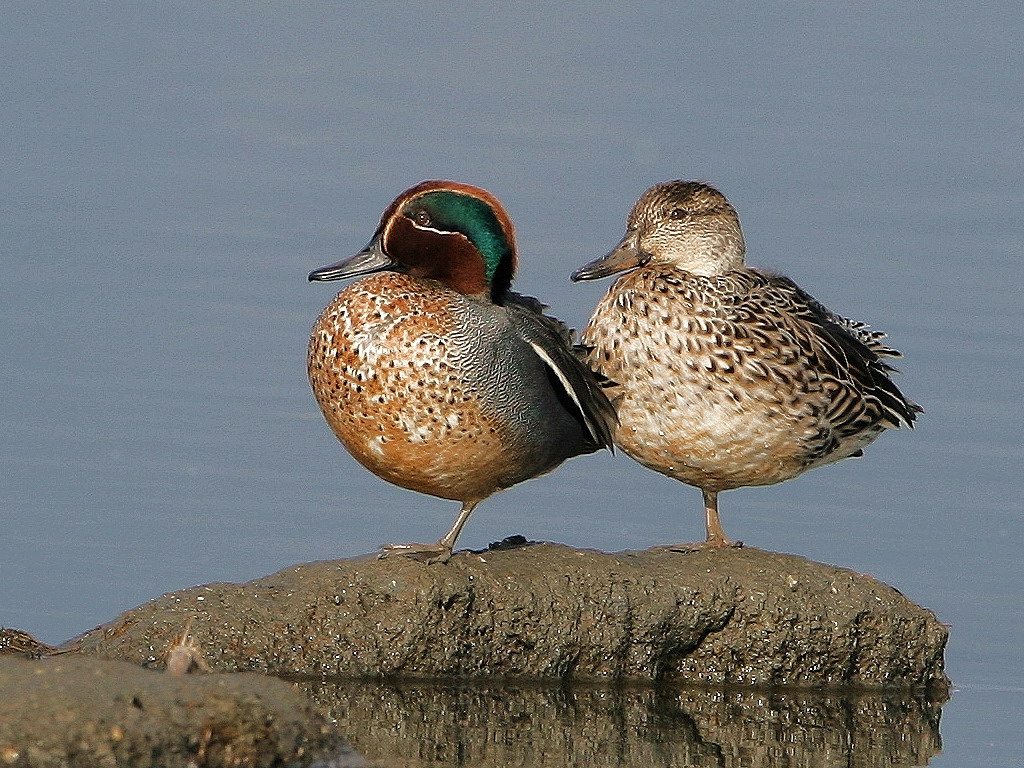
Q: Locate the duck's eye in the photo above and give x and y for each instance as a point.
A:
(421, 218)
(677, 213)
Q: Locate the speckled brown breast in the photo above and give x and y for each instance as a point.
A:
(407, 380)
(714, 387)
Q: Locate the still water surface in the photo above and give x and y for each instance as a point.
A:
(581, 726)
(174, 171)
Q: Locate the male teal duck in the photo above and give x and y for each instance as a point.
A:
(727, 376)
(438, 378)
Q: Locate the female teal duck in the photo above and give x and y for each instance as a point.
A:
(728, 376)
(438, 378)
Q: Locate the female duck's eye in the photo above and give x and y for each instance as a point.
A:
(677, 213)
(421, 218)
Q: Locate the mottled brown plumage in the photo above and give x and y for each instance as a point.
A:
(433, 374)
(727, 376)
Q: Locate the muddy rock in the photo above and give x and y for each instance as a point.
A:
(546, 611)
(68, 710)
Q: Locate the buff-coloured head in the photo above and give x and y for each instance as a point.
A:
(684, 225)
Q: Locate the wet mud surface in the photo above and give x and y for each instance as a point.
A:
(83, 712)
(549, 612)
(654, 654)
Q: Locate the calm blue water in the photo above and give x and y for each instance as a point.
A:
(172, 173)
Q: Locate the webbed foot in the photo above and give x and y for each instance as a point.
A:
(424, 553)
(697, 546)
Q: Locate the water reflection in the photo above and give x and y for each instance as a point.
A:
(446, 725)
